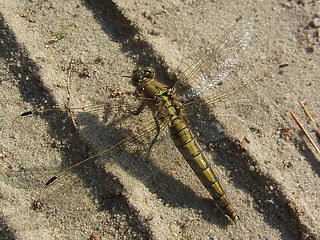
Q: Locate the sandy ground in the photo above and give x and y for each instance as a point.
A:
(273, 181)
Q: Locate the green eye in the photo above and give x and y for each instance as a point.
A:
(148, 70)
(141, 75)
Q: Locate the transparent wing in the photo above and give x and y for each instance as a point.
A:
(134, 143)
(119, 106)
(220, 59)
(230, 94)
(110, 123)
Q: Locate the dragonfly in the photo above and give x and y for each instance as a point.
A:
(171, 112)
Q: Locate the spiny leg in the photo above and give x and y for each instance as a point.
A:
(154, 139)
(139, 110)
(158, 128)
(159, 120)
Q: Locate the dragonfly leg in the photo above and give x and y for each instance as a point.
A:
(139, 110)
(154, 140)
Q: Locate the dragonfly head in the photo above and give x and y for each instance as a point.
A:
(142, 75)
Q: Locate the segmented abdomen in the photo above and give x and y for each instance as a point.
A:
(198, 161)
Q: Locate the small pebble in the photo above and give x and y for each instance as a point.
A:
(316, 22)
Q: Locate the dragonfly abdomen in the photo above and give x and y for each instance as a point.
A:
(189, 147)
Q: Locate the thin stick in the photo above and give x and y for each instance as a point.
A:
(304, 131)
(69, 98)
(311, 119)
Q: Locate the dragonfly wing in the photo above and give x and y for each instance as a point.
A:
(136, 142)
(244, 85)
(110, 128)
(220, 59)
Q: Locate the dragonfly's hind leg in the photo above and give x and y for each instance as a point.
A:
(139, 110)
(158, 128)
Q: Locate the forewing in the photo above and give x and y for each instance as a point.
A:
(219, 60)
(109, 128)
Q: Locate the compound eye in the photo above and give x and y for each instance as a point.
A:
(136, 76)
(148, 69)
(148, 72)
(142, 74)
